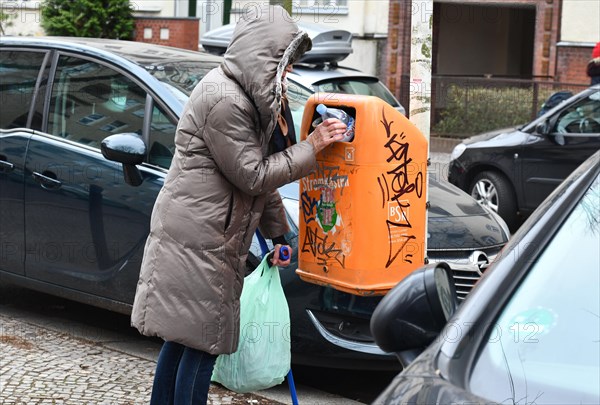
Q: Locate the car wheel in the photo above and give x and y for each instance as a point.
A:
(492, 190)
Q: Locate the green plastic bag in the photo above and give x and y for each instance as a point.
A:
(263, 357)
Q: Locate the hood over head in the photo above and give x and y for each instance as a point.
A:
(265, 41)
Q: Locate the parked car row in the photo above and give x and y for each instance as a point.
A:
(71, 226)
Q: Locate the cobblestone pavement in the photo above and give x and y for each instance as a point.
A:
(40, 366)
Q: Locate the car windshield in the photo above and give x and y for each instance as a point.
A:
(362, 85)
(297, 98)
(545, 346)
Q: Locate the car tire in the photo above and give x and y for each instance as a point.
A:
(494, 191)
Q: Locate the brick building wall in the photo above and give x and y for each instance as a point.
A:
(397, 58)
(546, 37)
(177, 32)
(571, 63)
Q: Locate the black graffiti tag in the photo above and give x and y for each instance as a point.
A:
(398, 185)
(323, 251)
(331, 176)
(399, 246)
(309, 207)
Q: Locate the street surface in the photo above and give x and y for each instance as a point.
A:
(61, 352)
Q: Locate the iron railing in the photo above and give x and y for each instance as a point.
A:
(463, 106)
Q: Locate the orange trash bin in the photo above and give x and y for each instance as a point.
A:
(363, 210)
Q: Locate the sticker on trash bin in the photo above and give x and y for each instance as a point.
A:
(327, 215)
(323, 209)
(349, 154)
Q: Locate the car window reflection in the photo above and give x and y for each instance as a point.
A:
(545, 346)
(363, 86)
(580, 118)
(19, 75)
(162, 138)
(91, 101)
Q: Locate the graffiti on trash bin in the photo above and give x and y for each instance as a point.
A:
(322, 249)
(323, 213)
(395, 185)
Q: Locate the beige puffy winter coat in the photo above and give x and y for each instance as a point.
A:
(221, 183)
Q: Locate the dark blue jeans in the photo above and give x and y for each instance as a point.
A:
(182, 376)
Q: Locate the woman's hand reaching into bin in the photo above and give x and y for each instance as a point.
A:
(326, 133)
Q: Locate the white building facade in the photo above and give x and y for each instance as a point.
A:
(365, 19)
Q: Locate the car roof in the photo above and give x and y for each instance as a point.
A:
(145, 54)
(328, 44)
(310, 75)
(140, 53)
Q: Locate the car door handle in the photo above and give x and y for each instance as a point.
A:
(47, 180)
(6, 167)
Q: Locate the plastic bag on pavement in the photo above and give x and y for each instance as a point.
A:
(263, 357)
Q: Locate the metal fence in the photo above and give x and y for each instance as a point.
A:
(464, 106)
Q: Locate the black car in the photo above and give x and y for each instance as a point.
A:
(513, 170)
(529, 333)
(71, 226)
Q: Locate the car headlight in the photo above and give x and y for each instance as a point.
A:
(457, 151)
(500, 221)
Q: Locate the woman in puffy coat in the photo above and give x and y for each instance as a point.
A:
(221, 186)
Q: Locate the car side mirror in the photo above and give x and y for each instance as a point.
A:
(543, 128)
(128, 149)
(413, 313)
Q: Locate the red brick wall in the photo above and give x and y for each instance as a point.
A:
(398, 48)
(183, 32)
(571, 62)
(397, 58)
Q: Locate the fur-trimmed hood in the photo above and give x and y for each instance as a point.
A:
(265, 41)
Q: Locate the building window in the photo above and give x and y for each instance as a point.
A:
(147, 33)
(323, 3)
(321, 7)
(164, 34)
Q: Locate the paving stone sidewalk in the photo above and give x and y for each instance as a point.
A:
(40, 366)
